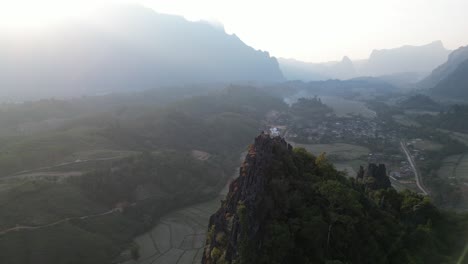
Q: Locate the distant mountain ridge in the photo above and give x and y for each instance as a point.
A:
(404, 61)
(298, 70)
(455, 85)
(129, 48)
(422, 59)
(443, 71)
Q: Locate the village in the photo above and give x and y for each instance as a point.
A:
(354, 129)
(359, 131)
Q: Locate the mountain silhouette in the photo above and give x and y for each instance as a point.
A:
(127, 48)
(407, 62)
(443, 71)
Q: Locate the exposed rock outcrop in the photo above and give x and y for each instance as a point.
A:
(375, 177)
(288, 206)
(245, 193)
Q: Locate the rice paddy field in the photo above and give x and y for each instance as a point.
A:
(179, 237)
(455, 167)
(462, 137)
(461, 171)
(426, 145)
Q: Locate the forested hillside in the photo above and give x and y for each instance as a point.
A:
(288, 206)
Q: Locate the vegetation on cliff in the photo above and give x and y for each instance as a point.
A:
(288, 206)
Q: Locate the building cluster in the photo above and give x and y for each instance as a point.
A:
(416, 153)
(350, 129)
(275, 132)
(405, 171)
(399, 168)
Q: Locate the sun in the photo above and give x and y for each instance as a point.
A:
(19, 15)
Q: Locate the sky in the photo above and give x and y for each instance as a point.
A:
(312, 30)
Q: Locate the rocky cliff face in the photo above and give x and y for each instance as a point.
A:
(272, 200)
(375, 177)
(241, 204)
(288, 206)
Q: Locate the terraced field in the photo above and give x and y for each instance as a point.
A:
(427, 145)
(179, 237)
(462, 168)
(462, 137)
(455, 166)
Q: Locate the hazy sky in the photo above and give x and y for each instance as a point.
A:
(307, 30)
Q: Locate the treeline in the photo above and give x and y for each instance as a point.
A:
(310, 108)
(453, 119)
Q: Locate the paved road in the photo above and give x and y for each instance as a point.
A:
(417, 175)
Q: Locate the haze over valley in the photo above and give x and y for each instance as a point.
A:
(140, 134)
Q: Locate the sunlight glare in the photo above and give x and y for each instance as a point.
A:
(21, 15)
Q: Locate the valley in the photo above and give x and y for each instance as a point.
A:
(121, 127)
(66, 192)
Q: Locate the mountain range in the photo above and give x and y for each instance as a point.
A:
(408, 63)
(450, 79)
(299, 70)
(444, 70)
(455, 85)
(127, 48)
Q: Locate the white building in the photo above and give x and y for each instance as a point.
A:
(274, 132)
